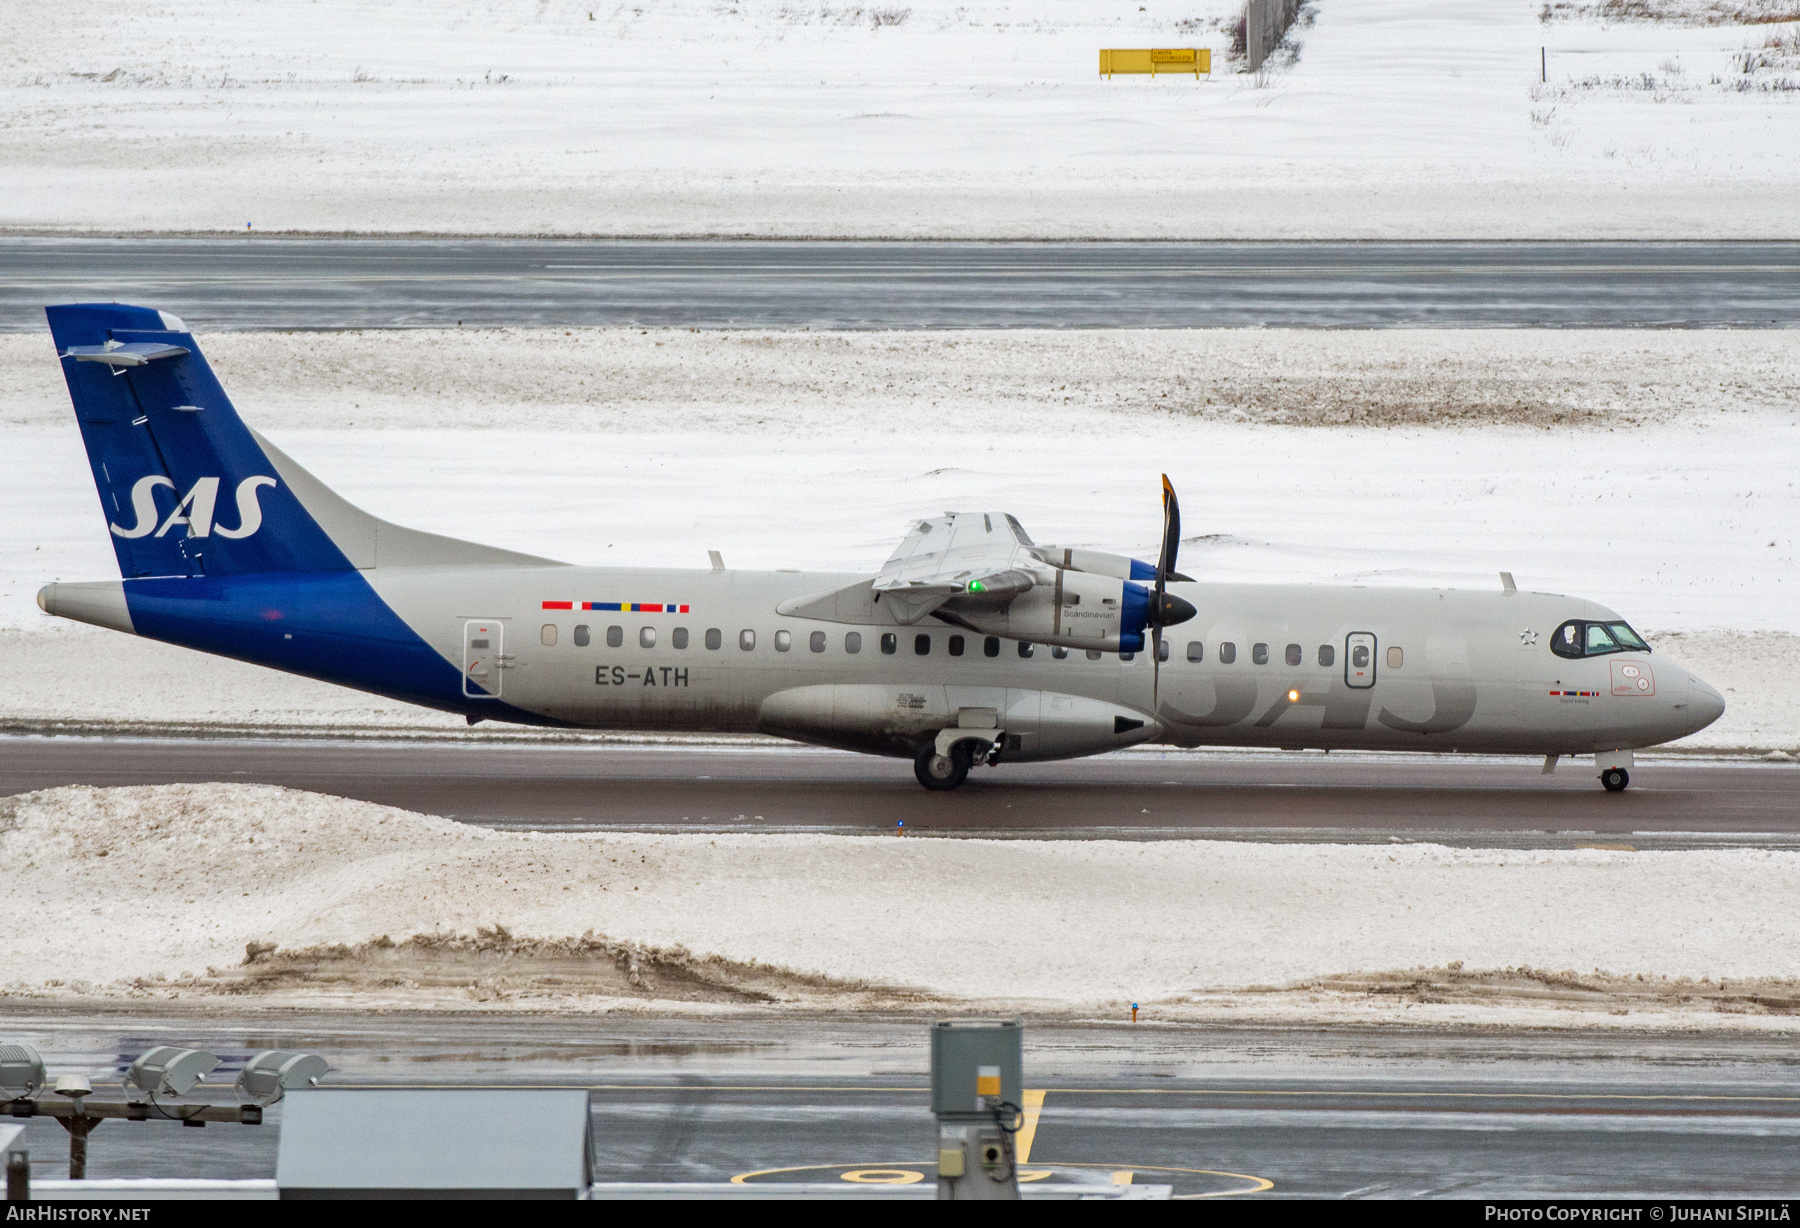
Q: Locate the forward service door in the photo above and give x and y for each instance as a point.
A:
(1359, 659)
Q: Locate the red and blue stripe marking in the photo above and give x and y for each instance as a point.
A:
(637, 607)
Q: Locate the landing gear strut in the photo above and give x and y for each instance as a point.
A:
(1615, 779)
(942, 773)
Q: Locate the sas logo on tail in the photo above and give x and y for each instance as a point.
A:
(195, 509)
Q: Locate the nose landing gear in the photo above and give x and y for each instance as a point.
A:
(1615, 779)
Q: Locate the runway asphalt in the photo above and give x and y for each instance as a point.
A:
(272, 283)
(1455, 800)
(1269, 1112)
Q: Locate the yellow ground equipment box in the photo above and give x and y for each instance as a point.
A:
(1159, 60)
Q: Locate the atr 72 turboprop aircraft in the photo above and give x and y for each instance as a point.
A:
(972, 644)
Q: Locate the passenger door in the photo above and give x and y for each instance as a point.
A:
(1359, 659)
(483, 642)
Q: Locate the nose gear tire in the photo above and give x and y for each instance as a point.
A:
(1615, 779)
(942, 773)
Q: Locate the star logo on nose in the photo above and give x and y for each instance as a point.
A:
(1527, 638)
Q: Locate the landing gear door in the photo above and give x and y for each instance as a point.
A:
(483, 643)
(1359, 659)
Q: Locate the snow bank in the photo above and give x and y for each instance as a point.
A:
(107, 887)
(1399, 118)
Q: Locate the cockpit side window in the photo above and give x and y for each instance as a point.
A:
(1566, 641)
(1627, 637)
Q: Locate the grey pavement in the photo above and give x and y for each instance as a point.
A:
(1386, 1112)
(1304, 797)
(275, 283)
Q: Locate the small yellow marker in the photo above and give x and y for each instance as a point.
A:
(987, 1080)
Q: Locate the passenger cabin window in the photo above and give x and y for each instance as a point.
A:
(1124, 656)
(581, 635)
(990, 647)
(678, 637)
(1061, 654)
(1327, 655)
(646, 637)
(747, 640)
(783, 641)
(1025, 649)
(1162, 650)
(1294, 654)
(615, 636)
(1396, 658)
(1585, 639)
(852, 642)
(816, 641)
(922, 645)
(715, 638)
(1259, 654)
(1227, 653)
(1093, 654)
(890, 643)
(1196, 650)
(956, 645)
(548, 635)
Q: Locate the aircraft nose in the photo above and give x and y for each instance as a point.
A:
(1705, 704)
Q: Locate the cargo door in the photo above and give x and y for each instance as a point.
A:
(483, 643)
(1359, 659)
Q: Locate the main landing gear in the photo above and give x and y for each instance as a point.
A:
(942, 773)
(1615, 779)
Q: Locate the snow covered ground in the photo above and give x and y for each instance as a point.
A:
(1652, 472)
(161, 892)
(1398, 118)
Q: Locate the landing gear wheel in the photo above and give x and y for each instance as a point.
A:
(942, 773)
(1615, 779)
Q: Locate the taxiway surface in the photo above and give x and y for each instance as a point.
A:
(1269, 1112)
(1142, 795)
(275, 283)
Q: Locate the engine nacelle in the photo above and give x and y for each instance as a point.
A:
(1069, 609)
(1098, 562)
(897, 719)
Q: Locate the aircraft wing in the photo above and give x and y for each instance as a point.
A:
(974, 553)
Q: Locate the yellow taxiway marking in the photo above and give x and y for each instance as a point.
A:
(907, 1173)
(1034, 1109)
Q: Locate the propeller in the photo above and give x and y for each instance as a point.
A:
(1166, 610)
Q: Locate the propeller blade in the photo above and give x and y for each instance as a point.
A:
(1171, 545)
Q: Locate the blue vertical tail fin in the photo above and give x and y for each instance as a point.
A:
(186, 488)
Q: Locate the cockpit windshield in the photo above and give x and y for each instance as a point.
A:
(1578, 638)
